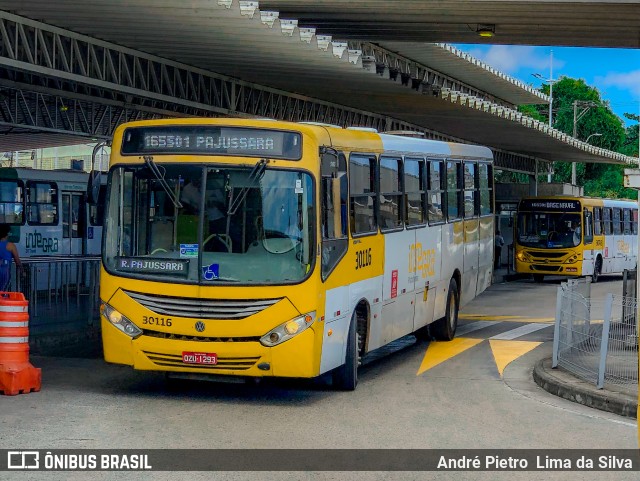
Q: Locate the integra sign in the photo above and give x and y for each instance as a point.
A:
(550, 205)
(212, 140)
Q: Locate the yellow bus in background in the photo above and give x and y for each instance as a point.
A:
(575, 236)
(263, 248)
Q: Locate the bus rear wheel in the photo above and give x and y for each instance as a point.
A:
(445, 329)
(538, 278)
(345, 377)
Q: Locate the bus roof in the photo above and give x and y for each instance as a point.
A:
(337, 137)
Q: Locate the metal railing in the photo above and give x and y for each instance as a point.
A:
(63, 292)
(597, 340)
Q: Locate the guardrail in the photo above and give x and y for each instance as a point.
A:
(63, 293)
(597, 340)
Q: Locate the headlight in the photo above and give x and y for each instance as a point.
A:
(286, 331)
(120, 321)
(572, 259)
(522, 256)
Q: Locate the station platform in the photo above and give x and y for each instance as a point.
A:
(621, 400)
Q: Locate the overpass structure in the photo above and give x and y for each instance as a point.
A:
(72, 70)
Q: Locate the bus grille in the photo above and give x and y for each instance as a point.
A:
(202, 308)
(175, 360)
(547, 254)
(546, 267)
(181, 337)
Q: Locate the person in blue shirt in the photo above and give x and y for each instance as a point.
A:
(8, 251)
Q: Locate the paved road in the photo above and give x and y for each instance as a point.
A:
(475, 393)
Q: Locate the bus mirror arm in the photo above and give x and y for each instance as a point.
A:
(93, 184)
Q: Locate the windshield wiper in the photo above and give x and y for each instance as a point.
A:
(155, 170)
(254, 177)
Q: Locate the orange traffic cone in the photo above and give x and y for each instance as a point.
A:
(17, 375)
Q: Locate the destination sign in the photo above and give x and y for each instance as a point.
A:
(144, 265)
(212, 140)
(549, 205)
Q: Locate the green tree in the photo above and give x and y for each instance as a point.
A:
(598, 179)
(630, 145)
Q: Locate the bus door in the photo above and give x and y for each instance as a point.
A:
(399, 269)
(74, 236)
(588, 252)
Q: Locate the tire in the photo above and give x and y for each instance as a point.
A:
(597, 269)
(538, 278)
(345, 377)
(445, 329)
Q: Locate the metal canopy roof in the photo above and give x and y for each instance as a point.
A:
(604, 23)
(238, 40)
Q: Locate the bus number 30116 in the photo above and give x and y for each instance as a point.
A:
(363, 258)
(158, 321)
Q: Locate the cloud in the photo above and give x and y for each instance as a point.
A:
(629, 81)
(510, 58)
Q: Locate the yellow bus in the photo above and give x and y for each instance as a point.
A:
(575, 236)
(264, 248)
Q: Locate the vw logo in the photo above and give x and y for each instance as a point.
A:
(199, 326)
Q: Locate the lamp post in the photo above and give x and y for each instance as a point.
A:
(549, 81)
(592, 135)
(586, 105)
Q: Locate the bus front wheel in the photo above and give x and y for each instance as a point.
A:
(445, 329)
(345, 378)
(597, 269)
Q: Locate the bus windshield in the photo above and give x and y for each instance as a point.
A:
(549, 229)
(206, 225)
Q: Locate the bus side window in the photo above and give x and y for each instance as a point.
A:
(333, 211)
(362, 183)
(626, 220)
(607, 221)
(597, 222)
(414, 192)
(617, 221)
(454, 192)
(390, 193)
(470, 187)
(435, 188)
(11, 202)
(588, 227)
(485, 180)
(42, 203)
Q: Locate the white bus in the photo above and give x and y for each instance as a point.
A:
(48, 212)
(305, 245)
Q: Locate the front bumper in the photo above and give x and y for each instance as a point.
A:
(292, 358)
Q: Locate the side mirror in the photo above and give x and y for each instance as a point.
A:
(95, 176)
(93, 187)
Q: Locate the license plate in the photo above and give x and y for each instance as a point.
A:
(199, 358)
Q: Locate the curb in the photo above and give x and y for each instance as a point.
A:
(566, 386)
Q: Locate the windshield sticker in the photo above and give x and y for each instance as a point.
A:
(211, 272)
(299, 189)
(188, 250)
(153, 266)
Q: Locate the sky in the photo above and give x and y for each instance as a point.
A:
(614, 72)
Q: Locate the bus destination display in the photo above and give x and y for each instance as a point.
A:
(212, 140)
(560, 205)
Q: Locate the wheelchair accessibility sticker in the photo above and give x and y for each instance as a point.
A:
(210, 273)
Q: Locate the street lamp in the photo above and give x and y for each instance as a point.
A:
(592, 135)
(549, 81)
